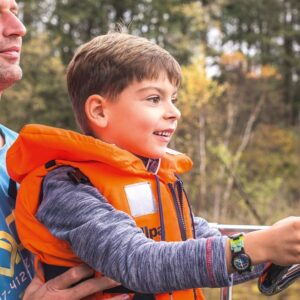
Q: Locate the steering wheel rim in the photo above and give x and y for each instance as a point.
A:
(275, 279)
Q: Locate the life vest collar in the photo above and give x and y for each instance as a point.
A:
(38, 144)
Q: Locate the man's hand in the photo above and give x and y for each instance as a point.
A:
(59, 288)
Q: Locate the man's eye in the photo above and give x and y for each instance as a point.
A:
(15, 13)
(154, 99)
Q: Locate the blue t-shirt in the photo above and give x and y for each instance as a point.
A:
(16, 268)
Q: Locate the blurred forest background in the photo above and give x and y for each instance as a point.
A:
(239, 98)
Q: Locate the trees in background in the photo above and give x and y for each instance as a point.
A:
(268, 31)
(240, 124)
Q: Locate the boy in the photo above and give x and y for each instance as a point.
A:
(124, 90)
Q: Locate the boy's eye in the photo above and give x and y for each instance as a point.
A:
(174, 100)
(154, 99)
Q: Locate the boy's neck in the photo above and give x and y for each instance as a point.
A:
(152, 164)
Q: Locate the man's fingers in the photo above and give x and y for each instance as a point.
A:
(35, 285)
(62, 284)
(92, 286)
(70, 277)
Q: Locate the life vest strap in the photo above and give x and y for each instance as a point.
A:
(12, 189)
(12, 193)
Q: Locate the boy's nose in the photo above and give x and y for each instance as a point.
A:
(13, 26)
(172, 112)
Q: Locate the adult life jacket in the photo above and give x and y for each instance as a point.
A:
(119, 176)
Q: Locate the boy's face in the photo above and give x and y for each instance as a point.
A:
(143, 118)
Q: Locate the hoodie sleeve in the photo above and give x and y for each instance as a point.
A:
(109, 241)
(204, 230)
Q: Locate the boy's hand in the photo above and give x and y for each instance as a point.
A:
(59, 288)
(287, 232)
(279, 244)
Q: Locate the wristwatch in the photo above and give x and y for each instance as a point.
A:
(240, 261)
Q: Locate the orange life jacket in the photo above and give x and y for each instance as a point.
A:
(39, 149)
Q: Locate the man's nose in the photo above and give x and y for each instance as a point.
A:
(13, 26)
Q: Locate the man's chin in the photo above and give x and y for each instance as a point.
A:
(10, 77)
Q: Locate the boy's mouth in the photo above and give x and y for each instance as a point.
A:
(165, 133)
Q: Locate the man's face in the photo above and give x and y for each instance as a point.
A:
(11, 32)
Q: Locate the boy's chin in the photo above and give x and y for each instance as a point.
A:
(156, 155)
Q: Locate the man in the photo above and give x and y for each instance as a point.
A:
(15, 263)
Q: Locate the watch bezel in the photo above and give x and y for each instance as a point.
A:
(241, 262)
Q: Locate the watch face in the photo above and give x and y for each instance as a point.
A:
(241, 262)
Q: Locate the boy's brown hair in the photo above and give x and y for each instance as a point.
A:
(109, 63)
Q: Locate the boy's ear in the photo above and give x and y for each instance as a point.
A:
(95, 112)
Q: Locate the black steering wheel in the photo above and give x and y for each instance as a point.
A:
(275, 279)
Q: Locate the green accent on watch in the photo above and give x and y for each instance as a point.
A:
(237, 243)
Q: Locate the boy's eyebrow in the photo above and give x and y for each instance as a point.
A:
(160, 90)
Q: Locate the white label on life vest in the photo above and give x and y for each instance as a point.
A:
(140, 199)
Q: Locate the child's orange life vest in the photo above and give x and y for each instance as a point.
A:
(109, 169)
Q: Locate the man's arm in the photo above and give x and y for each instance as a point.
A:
(59, 288)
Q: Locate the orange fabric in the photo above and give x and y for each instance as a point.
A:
(37, 144)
